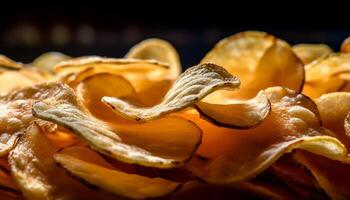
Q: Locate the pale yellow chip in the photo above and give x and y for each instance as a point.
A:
(160, 50)
(259, 60)
(310, 52)
(95, 171)
(16, 111)
(193, 85)
(130, 68)
(145, 144)
(236, 113)
(36, 174)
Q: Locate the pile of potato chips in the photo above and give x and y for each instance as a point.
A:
(255, 119)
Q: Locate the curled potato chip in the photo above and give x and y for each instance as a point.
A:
(130, 68)
(310, 52)
(193, 85)
(345, 46)
(327, 74)
(7, 63)
(96, 171)
(259, 60)
(230, 156)
(333, 119)
(328, 173)
(238, 114)
(48, 60)
(151, 148)
(36, 174)
(16, 112)
(157, 49)
(93, 88)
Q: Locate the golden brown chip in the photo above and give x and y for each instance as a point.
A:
(48, 60)
(95, 171)
(345, 46)
(329, 174)
(93, 88)
(193, 85)
(36, 174)
(310, 52)
(157, 49)
(131, 144)
(324, 75)
(259, 60)
(229, 155)
(333, 109)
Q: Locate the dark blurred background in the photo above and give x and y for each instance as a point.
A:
(110, 29)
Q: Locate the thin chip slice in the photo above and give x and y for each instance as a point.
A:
(132, 186)
(157, 49)
(7, 63)
(48, 60)
(145, 144)
(330, 174)
(232, 155)
(6, 195)
(345, 46)
(193, 85)
(334, 108)
(259, 60)
(129, 68)
(16, 113)
(237, 114)
(324, 75)
(36, 174)
(93, 88)
(310, 52)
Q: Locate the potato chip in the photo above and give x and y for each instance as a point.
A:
(157, 49)
(259, 60)
(193, 85)
(36, 174)
(345, 46)
(324, 74)
(180, 134)
(93, 88)
(333, 119)
(6, 63)
(230, 156)
(330, 174)
(95, 171)
(129, 68)
(48, 60)
(16, 111)
(310, 52)
(236, 114)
